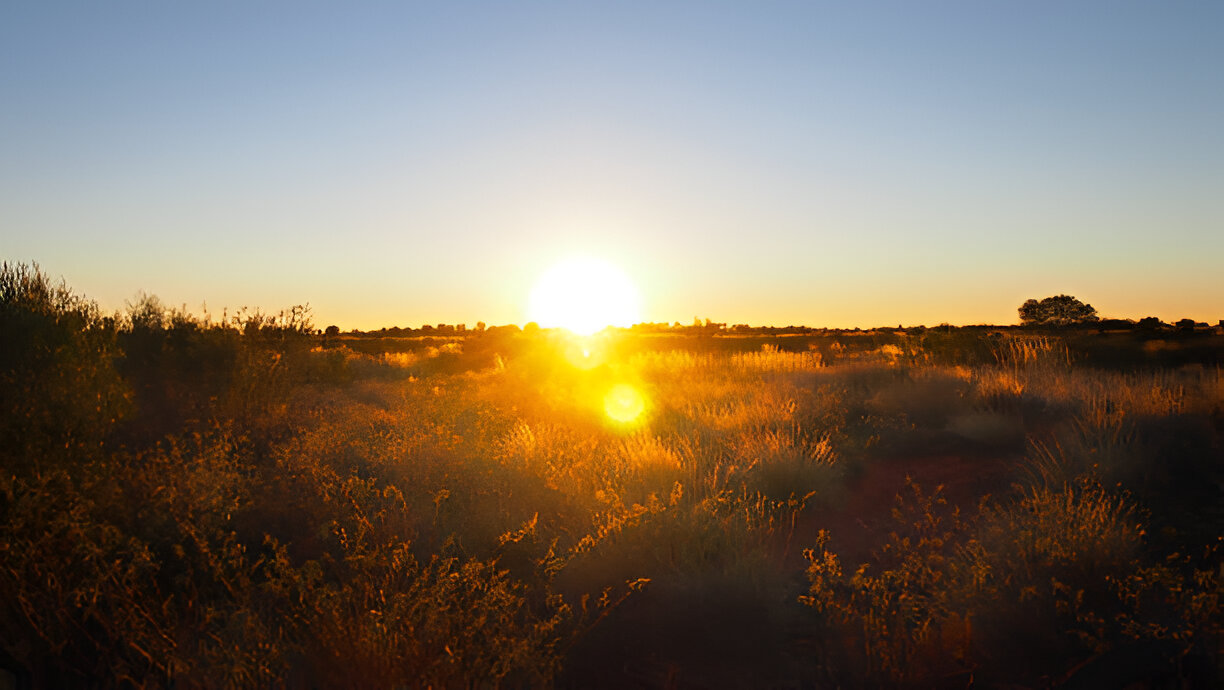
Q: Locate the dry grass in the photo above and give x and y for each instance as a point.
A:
(230, 505)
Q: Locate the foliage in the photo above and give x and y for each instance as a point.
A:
(60, 394)
(243, 502)
(1056, 310)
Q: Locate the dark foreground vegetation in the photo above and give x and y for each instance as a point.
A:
(186, 503)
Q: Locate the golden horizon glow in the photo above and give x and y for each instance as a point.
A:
(584, 295)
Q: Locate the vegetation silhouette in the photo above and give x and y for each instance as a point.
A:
(189, 502)
(1056, 310)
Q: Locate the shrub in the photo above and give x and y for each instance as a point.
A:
(60, 394)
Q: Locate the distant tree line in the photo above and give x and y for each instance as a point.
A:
(1065, 310)
(1058, 311)
(441, 330)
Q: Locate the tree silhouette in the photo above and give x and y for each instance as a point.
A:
(1056, 310)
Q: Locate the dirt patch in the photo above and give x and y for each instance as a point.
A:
(859, 523)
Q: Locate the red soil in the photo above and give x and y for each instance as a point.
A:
(859, 523)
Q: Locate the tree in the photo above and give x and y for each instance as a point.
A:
(1056, 310)
(1150, 323)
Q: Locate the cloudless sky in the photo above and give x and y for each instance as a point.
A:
(831, 164)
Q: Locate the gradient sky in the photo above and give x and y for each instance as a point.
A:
(836, 164)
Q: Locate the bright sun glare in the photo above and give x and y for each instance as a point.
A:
(583, 295)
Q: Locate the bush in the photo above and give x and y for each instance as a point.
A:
(60, 395)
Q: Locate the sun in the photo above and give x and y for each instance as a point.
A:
(583, 295)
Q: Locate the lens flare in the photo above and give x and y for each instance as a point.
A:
(584, 353)
(624, 403)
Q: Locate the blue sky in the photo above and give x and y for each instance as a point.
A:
(823, 163)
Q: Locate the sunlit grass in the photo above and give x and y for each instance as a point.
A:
(246, 506)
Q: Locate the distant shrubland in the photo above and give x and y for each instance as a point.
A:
(249, 502)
